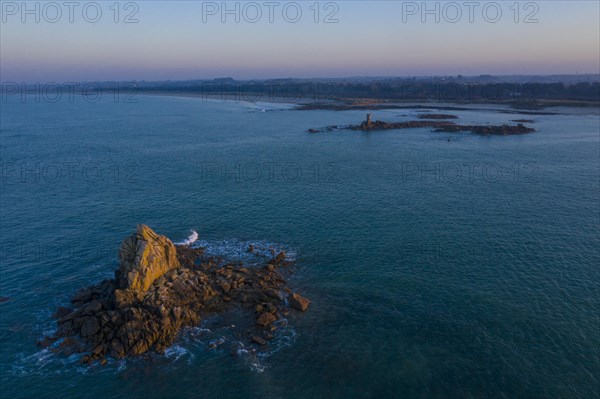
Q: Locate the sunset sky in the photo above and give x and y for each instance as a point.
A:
(189, 40)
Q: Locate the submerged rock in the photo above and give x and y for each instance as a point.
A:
(160, 288)
(259, 340)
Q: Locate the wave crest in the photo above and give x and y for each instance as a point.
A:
(192, 238)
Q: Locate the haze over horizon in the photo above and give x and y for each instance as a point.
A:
(200, 40)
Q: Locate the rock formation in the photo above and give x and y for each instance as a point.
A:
(158, 289)
(437, 116)
(438, 125)
(298, 302)
(379, 125)
(144, 257)
(488, 130)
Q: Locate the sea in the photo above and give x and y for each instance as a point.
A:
(439, 265)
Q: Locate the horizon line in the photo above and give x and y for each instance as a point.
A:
(594, 74)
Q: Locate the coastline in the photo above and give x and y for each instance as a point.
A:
(541, 107)
(225, 98)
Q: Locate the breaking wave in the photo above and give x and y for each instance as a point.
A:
(192, 238)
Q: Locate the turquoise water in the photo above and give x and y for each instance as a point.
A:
(439, 265)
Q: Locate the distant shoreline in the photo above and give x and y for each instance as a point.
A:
(228, 97)
(372, 104)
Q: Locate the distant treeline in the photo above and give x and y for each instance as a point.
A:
(351, 91)
(393, 90)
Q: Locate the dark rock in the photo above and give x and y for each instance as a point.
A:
(70, 346)
(266, 319)
(90, 327)
(488, 130)
(443, 126)
(273, 294)
(98, 350)
(437, 116)
(124, 298)
(280, 257)
(82, 296)
(298, 302)
(92, 308)
(379, 125)
(116, 349)
(270, 307)
(226, 287)
(46, 342)
(259, 340)
(61, 312)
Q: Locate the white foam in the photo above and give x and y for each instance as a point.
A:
(192, 238)
(215, 343)
(122, 365)
(177, 351)
(45, 362)
(235, 250)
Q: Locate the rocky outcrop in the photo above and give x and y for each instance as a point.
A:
(437, 116)
(438, 125)
(379, 125)
(488, 130)
(298, 302)
(144, 257)
(368, 124)
(157, 290)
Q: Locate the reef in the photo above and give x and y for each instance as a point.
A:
(437, 116)
(160, 288)
(437, 125)
(488, 130)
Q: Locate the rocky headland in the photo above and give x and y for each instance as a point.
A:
(159, 288)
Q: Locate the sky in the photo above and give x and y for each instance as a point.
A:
(178, 40)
